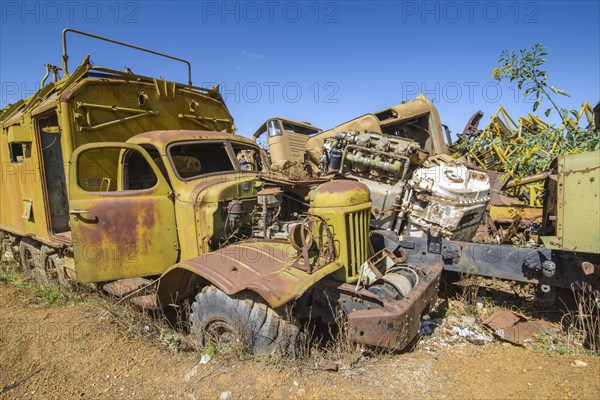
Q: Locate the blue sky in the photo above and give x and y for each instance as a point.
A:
(323, 62)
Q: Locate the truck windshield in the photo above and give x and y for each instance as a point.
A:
(194, 159)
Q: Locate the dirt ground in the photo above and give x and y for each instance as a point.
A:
(70, 352)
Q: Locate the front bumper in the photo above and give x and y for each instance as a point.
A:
(396, 325)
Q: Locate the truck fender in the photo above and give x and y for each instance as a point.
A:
(264, 267)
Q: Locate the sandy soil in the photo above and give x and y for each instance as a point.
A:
(69, 352)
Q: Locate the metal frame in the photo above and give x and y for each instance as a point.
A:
(65, 57)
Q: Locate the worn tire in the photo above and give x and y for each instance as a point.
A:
(242, 320)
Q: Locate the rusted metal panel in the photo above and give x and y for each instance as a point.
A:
(507, 213)
(513, 328)
(576, 214)
(523, 331)
(123, 237)
(263, 267)
(398, 323)
(501, 319)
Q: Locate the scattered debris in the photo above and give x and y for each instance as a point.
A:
(330, 366)
(479, 302)
(472, 336)
(513, 328)
(579, 363)
(501, 319)
(354, 372)
(452, 330)
(225, 396)
(205, 358)
(427, 328)
(192, 372)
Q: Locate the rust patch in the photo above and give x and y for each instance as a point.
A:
(501, 319)
(523, 331)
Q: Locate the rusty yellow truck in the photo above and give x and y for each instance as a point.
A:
(139, 187)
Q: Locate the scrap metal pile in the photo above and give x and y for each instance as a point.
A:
(422, 185)
(371, 213)
(417, 189)
(516, 206)
(469, 203)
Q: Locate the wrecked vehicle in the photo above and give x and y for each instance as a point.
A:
(430, 206)
(416, 188)
(569, 248)
(138, 187)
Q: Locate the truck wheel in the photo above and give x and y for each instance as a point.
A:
(242, 320)
(51, 269)
(62, 279)
(30, 257)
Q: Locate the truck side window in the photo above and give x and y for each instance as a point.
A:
(114, 169)
(137, 173)
(16, 152)
(155, 155)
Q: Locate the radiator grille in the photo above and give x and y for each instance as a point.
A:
(357, 235)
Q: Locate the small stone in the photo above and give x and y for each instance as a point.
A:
(296, 384)
(479, 302)
(225, 396)
(467, 319)
(205, 358)
(579, 363)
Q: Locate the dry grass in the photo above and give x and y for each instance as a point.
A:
(171, 330)
(292, 170)
(42, 295)
(126, 317)
(582, 322)
(331, 346)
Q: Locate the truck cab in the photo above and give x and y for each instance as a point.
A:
(139, 207)
(284, 139)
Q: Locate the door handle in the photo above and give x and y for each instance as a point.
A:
(78, 212)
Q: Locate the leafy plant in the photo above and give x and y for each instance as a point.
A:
(524, 68)
(538, 142)
(170, 339)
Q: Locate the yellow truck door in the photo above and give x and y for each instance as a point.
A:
(122, 217)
